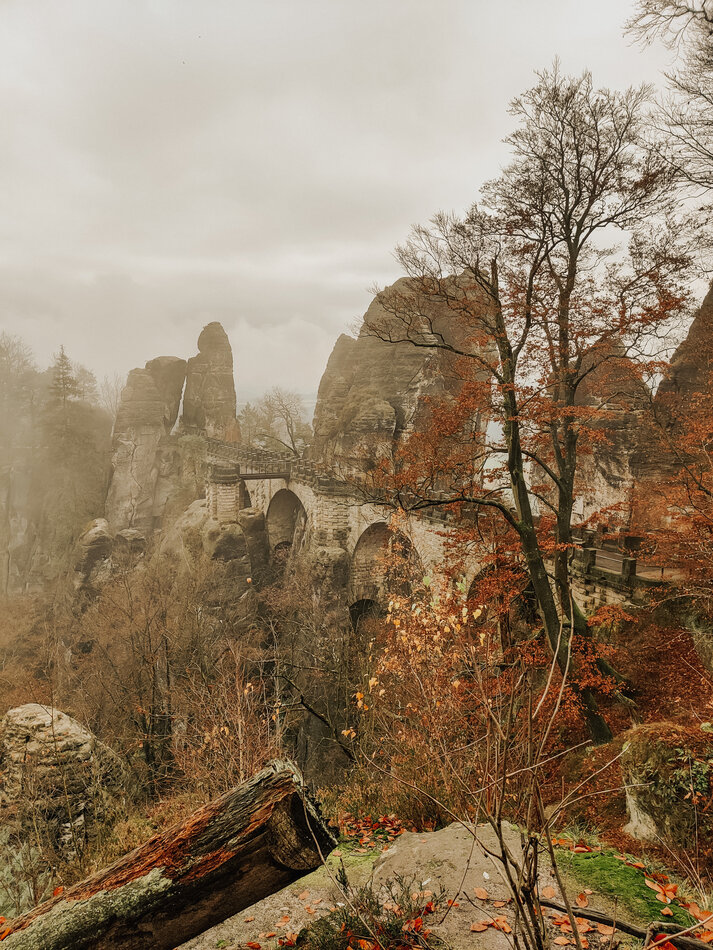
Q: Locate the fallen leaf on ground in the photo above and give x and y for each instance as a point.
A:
(249, 920)
(582, 900)
(548, 892)
(480, 893)
(500, 903)
(303, 896)
(562, 941)
(605, 930)
(479, 927)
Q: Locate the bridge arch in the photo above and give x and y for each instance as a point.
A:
(286, 520)
(383, 560)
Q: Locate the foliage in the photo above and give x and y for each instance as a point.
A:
(392, 918)
(539, 326)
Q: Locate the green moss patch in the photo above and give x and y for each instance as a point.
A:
(606, 874)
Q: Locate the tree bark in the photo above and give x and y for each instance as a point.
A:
(231, 853)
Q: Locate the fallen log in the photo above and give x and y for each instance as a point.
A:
(244, 846)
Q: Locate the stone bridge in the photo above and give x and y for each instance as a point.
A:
(317, 515)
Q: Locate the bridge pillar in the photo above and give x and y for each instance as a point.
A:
(223, 493)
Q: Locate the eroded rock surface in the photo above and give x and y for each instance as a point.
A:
(209, 399)
(373, 392)
(692, 363)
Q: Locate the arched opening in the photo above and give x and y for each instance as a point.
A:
(286, 521)
(504, 601)
(362, 611)
(384, 561)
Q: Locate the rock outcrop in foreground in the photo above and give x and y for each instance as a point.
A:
(58, 787)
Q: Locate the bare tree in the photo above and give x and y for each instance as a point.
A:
(110, 393)
(277, 422)
(687, 115)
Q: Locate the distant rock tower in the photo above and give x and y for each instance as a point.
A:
(209, 398)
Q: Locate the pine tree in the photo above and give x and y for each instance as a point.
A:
(64, 385)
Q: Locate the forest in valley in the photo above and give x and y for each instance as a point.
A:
(434, 667)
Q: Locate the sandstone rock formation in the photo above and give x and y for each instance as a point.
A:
(666, 771)
(226, 554)
(692, 363)
(138, 431)
(150, 464)
(372, 392)
(610, 462)
(209, 398)
(56, 778)
(169, 375)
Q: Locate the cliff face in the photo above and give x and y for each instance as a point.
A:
(692, 363)
(149, 466)
(209, 399)
(372, 392)
(613, 456)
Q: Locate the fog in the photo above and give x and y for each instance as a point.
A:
(171, 162)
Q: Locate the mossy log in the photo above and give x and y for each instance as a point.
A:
(236, 850)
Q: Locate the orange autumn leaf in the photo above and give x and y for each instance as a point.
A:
(605, 930)
(500, 903)
(500, 923)
(548, 892)
(479, 927)
(303, 896)
(249, 920)
(582, 900)
(283, 920)
(562, 941)
(480, 893)
(666, 912)
(254, 946)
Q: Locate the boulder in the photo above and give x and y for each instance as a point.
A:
(254, 527)
(197, 543)
(667, 771)
(209, 398)
(92, 552)
(56, 778)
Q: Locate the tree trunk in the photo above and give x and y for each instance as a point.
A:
(244, 846)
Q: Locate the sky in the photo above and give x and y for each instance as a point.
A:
(166, 163)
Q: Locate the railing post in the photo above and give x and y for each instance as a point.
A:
(628, 568)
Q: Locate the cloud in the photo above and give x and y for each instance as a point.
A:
(170, 162)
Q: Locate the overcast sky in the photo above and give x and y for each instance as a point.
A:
(165, 163)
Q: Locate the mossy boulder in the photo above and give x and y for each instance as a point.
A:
(667, 771)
